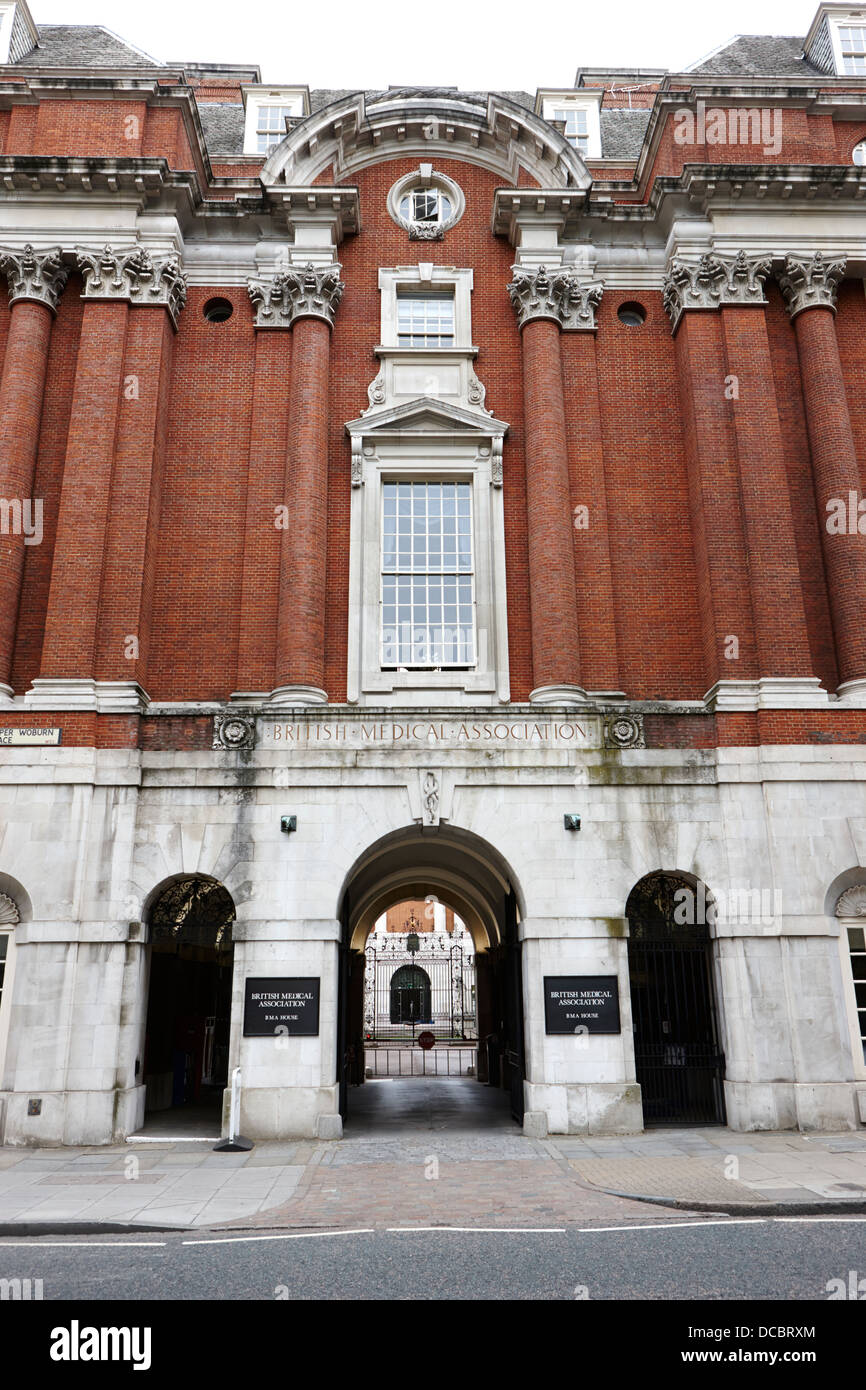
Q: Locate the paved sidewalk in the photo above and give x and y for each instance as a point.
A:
(435, 1152)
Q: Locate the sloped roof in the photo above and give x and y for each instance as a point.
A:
(622, 132)
(83, 46)
(759, 55)
(223, 126)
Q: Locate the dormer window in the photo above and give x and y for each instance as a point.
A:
(267, 112)
(579, 114)
(576, 120)
(852, 48)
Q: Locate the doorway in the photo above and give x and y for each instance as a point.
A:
(430, 972)
(678, 1057)
(189, 997)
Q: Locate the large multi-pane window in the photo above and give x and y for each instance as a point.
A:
(857, 947)
(425, 320)
(271, 125)
(852, 41)
(576, 126)
(428, 599)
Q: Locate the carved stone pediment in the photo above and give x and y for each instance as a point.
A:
(431, 419)
(39, 276)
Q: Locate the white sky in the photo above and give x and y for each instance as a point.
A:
(481, 45)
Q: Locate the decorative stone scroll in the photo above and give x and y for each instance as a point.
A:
(135, 276)
(810, 284)
(301, 292)
(852, 903)
(535, 294)
(39, 276)
(624, 731)
(234, 731)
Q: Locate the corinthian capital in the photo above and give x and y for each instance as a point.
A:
(134, 275)
(810, 284)
(36, 275)
(714, 281)
(302, 292)
(537, 295)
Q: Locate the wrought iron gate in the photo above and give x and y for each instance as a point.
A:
(678, 1057)
(432, 990)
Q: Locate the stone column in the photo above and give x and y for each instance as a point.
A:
(304, 299)
(810, 287)
(545, 305)
(36, 281)
(112, 281)
(691, 290)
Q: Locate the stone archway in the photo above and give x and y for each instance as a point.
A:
(467, 874)
(679, 1062)
(188, 1018)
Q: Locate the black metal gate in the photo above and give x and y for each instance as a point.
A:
(679, 1062)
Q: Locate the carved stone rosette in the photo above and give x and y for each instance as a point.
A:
(624, 731)
(810, 284)
(234, 731)
(537, 295)
(714, 281)
(39, 276)
(302, 292)
(135, 276)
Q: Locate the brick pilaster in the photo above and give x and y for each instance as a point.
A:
(552, 587)
(130, 542)
(21, 392)
(714, 501)
(777, 598)
(69, 646)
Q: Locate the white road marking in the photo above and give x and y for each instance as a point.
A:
(289, 1235)
(678, 1225)
(88, 1244)
(480, 1230)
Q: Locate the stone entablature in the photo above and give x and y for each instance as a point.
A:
(301, 292)
(811, 283)
(536, 294)
(37, 276)
(714, 281)
(133, 275)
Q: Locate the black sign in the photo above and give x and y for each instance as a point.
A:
(581, 1004)
(281, 1008)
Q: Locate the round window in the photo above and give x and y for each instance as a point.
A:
(218, 310)
(631, 314)
(426, 203)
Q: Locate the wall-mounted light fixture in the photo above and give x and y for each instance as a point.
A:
(288, 823)
(572, 822)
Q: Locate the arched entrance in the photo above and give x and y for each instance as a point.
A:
(189, 995)
(678, 1058)
(411, 995)
(469, 881)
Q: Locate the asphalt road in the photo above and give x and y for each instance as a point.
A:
(729, 1259)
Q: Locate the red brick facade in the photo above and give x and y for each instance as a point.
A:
(163, 456)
